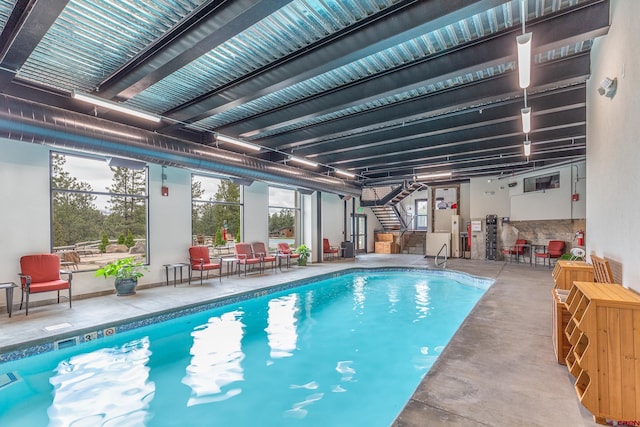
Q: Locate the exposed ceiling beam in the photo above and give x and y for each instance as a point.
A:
(208, 27)
(474, 56)
(28, 23)
(469, 119)
(483, 153)
(475, 96)
(451, 143)
(420, 155)
(398, 24)
(508, 163)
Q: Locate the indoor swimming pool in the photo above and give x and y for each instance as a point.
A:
(344, 350)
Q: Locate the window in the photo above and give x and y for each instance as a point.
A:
(284, 217)
(216, 211)
(98, 212)
(543, 182)
(422, 214)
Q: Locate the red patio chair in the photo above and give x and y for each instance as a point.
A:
(284, 251)
(260, 250)
(554, 249)
(200, 261)
(517, 249)
(246, 257)
(41, 273)
(329, 251)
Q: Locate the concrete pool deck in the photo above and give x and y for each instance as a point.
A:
(499, 369)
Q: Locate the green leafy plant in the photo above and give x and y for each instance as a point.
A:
(123, 268)
(304, 253)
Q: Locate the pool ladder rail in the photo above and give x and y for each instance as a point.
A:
(444, 248)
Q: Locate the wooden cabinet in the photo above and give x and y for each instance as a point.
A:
(605, 349)
(564, 274)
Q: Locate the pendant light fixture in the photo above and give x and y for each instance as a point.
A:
(526, 119)
(523, 43)
(524, 59)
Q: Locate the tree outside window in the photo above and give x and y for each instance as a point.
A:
(284, 214)
(99, 212)
(216, 211)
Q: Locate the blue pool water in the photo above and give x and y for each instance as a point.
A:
(349, 350)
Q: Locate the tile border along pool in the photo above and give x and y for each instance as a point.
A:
(72, 338)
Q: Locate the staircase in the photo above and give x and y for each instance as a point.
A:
(405, 192)
(387, 217)
(383, 201)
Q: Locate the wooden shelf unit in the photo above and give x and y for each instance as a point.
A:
(564, 274)
(605, 353)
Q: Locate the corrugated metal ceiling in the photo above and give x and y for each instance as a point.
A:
(93, 40)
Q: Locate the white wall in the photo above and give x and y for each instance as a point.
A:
(172, 244)
(494, 196)
(333, 218)
(256, 213)
(25, 216)
(488, 198)
(331, 222)
(555, 203)
(613, 138)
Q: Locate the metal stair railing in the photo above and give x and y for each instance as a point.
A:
(405, 219)
(444, 263)
(400, 215)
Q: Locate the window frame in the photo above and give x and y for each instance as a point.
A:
(549, 181)
(297, 216)
(88, 250)
(240, 204)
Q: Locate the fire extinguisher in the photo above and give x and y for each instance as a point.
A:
(580, 237)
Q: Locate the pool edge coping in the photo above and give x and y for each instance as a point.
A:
(14, 352)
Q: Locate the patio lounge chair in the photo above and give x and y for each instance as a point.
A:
(554, 249)
(284, 251)
(517, 249)
(328, 251)
(41, 273)
(200, 261)
(246, 257)
(260, 250)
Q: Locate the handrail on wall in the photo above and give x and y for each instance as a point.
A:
(444, 264)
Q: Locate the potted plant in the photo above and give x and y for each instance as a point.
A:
(126, 272)
(304, 253)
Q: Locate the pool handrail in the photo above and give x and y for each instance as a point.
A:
(444, 263)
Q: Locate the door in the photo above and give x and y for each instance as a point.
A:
(359, 227)
(422, 214)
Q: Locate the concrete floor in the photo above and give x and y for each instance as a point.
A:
(499, 369)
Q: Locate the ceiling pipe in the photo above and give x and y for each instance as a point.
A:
(27, 121)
